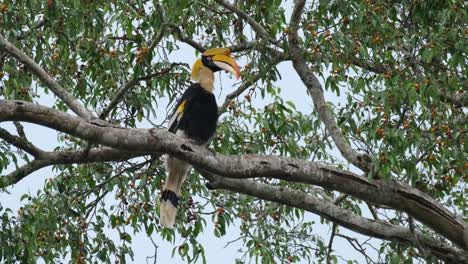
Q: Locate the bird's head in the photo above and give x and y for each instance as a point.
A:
(214, 60)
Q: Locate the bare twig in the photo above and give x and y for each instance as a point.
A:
(330, 244)
(155, 255)
(357, 246)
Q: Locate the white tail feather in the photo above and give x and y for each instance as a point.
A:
(168, 214)
(178, 170)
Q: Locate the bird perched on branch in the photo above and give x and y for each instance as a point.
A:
(195, 117)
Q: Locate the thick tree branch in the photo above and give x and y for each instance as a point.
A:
(395, 194)
(314, 87)
(58, 90)
(67, 157)
(332, 212)
(22, 172)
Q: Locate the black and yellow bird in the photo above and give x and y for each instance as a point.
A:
(195, 117)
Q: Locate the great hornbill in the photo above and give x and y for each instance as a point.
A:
(195, 117)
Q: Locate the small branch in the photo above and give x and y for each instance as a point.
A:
(322, 193)
(233, 241)
(330, 244)
(358, 247)
(296, 15)
(373, 212)
(416, 239)
(198, 46)
(20, 130)
(20, 143)
(246, 84)
(89, 207)
(39, 24)
(244, 46)
(129, 85)
(340, 198)
(259, 29)
(156, 39)
(155, 255)
(67, 157)
(184, 38)
(58, 90)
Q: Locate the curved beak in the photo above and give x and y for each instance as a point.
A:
(227, 63)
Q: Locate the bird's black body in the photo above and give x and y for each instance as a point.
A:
(195, 118)
(198, 116)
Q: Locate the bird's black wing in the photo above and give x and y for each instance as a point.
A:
(182, 105)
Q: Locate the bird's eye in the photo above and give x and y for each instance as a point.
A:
(209, 58)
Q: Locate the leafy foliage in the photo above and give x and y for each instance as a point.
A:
(400, 67)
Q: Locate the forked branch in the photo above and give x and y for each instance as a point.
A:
(396, 194)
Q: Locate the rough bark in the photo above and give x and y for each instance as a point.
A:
(314, 87)
(327, 209)
(394, 194)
